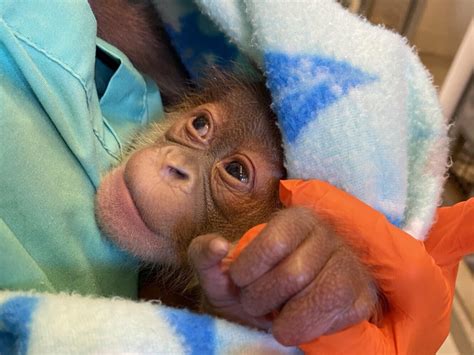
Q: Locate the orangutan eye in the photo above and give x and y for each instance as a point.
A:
(201, 125)
(238, 171)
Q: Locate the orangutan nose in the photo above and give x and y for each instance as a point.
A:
(177, 169)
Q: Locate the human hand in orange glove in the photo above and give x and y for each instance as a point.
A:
(417, 280)
(419, 291)
(298, 266)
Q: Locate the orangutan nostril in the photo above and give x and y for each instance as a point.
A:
(178, 173)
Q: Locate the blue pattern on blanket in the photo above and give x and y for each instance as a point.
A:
(37, 324)
(198, 331)
(342, 91)
(15, 321)
(306, 84)
(201, 44)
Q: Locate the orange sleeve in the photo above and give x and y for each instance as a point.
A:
(452, 235)
(406, 273)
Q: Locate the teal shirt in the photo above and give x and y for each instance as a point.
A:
(64, 116)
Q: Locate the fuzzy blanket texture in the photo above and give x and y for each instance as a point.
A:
(355, 106)
(71, 324)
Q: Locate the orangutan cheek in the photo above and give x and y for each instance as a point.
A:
(153, 205)
(120, 220)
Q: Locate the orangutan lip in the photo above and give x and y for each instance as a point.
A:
(125, 197)
(135, 206)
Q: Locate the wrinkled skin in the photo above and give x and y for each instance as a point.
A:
(299, 267)
(195, 182)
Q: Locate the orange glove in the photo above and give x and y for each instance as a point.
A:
(417, 279)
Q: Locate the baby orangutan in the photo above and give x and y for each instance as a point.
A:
(212, 165)
(207, 173)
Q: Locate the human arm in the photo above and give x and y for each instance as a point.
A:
(414, 282)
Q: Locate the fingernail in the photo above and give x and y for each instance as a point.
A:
(219, 246)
